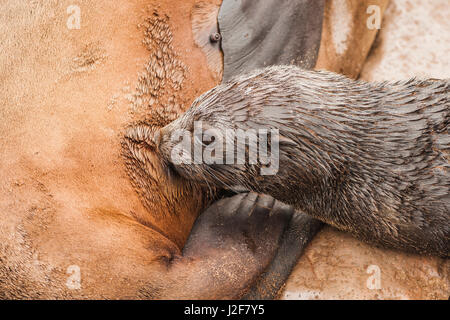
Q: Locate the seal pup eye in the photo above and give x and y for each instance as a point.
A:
(208, 139)
(204, 139)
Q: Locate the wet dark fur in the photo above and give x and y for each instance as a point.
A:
(368, 158)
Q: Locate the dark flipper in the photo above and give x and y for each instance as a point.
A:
(242, 246)
(300, 232)
(270, 32)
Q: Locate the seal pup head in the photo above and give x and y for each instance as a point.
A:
(226, 138)
(193, 147)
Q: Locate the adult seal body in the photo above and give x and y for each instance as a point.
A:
(368, 158)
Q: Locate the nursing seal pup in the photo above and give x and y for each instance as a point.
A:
(368, 158)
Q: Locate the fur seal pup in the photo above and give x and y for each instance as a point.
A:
(368, 158)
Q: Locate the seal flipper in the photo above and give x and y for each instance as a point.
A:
(243, 246)
(256, 34)
(301, 230)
